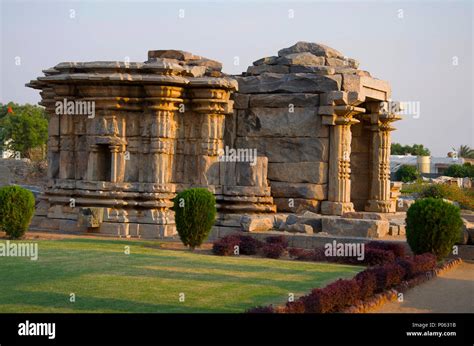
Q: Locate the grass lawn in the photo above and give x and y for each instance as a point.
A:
(105, 279)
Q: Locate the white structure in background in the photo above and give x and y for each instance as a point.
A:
(6, 154)
(437, 165)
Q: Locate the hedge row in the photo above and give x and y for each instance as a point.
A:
(340, 294)
(273, 247)
(376, 252)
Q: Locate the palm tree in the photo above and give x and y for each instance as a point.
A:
(465, 151)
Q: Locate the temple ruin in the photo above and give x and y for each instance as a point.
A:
(302, 131)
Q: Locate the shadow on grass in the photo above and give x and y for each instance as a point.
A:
(55, 301)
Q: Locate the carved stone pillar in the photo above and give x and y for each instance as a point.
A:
(163, 104)
(92, 164)
(380, 125)
(211, 105)
(340, 118)
(116, 162)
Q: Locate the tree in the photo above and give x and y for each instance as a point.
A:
(407, 173)
(465, 151)
(22, 127)
(433, 225)
(459, 171)
(416, 149)
(195, 213)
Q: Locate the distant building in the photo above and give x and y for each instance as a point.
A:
(425, 164)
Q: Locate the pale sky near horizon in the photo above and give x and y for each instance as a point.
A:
(413, 45)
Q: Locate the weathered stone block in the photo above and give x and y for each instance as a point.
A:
(296, 205)
(336, 208)
(230, 129)
(304, 58)
(284, 100)
(288, 149)
(351, 83)
(241, 101)
(253, 223)
(269, 60)
(319, 70)
(294, 82)
(299, 172)
(313, 48)
(299, 190)
(355, 227)
(297, 228)
(363, 215)
(281, 122)
(256, 70)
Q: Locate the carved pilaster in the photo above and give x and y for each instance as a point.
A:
(211, 105)
(340, 118)
(380, 124)
(162, 106)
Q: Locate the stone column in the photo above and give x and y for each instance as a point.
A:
(162, 131)
(211, 105)
(114, 173)
(92, 163)
(340, 118)
(379, 194)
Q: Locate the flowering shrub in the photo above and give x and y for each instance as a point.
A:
(316, 301)
(261, 310)
(278, 239)
(249, 245)
(296, 307)
(341, 293)
(398, 249)
(424, 262)
(387, 276)
(226, 245)
(300, 254)
(367, 281)
(273, 250)
(374, 256)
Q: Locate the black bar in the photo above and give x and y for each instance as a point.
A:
(221, 329)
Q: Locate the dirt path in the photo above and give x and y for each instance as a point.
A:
(452, 291)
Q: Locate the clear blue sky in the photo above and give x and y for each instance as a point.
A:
(414, 53)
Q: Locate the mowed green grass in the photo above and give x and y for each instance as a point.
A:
(105, 279)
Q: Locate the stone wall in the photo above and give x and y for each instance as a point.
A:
(297, 107)
(320, 127)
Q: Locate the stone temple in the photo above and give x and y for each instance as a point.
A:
(302, 131)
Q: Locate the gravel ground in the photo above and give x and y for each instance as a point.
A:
(452, 291)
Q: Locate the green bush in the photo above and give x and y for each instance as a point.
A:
(433, 225)
(17, 206)
(434, 191)
(458, 171)
(407, 173)
(449, 191)
(195, 213)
